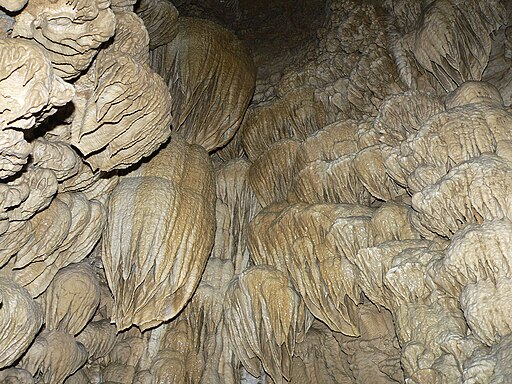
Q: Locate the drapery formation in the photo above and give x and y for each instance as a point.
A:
(181, 203)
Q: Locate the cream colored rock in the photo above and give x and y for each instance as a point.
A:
(142, 377)
(367, 134)
(50, 228)
(205, 61)
(487, 309)
(206, 324)
(131, 37)
(333, 181)
(98, 338)
(71, 33)
(315, 246)
(16, 332)
(168, 368)
(478, 252)
(127, 351)
(372, 265)
(372, 79)
(119, 6)
(271, 175)
(236, 206)
(116, 373)
(4, 224)
(95, 185)
(16, 376)
(41, 185)
(447, 139)
(178, 349)
(54, 356)
(265, 317)
(296, 115)
(474, 191)
(319, 358)
(391, 222)
(157, 249)
(126, 117)
(431, 253)
(428, 335)
(374, 357)
(492, 367)
(14, 152)
(328, 143)
(474, 92)
(34, 268)
(71, 299)
(82, 181)
(13, 195)
(232, 150)
(57, 156)
(106, 300)
(160, 18)
(407, 278)
(13, 239)
(504, 149)
(13, 5)
(26, 67)
(369, 167)
(405, 113)
(205, 308)
(79, 377)
(498, 71)
(451, 40)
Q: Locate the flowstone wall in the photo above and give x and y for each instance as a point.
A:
(314, 202)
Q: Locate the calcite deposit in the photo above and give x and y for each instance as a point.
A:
(210, 192)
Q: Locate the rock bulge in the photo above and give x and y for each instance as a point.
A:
(172, 213)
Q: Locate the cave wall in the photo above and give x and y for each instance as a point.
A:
(243, 192)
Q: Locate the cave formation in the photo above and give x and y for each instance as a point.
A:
(236, 191)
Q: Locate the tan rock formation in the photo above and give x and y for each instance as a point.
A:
(71, 299)
(21, 317)
(201, 63)
(53, 356)
(295, 115)
(26, 64)
(264, 317)
(271, 175)
(314, 245)
(236, 207)
(126, 116)
(160, 19)
(70, 32)
(349, 222)
(152, 273)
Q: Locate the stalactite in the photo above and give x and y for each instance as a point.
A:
(339, 212)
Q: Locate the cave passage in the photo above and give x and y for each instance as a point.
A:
(235, 191)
